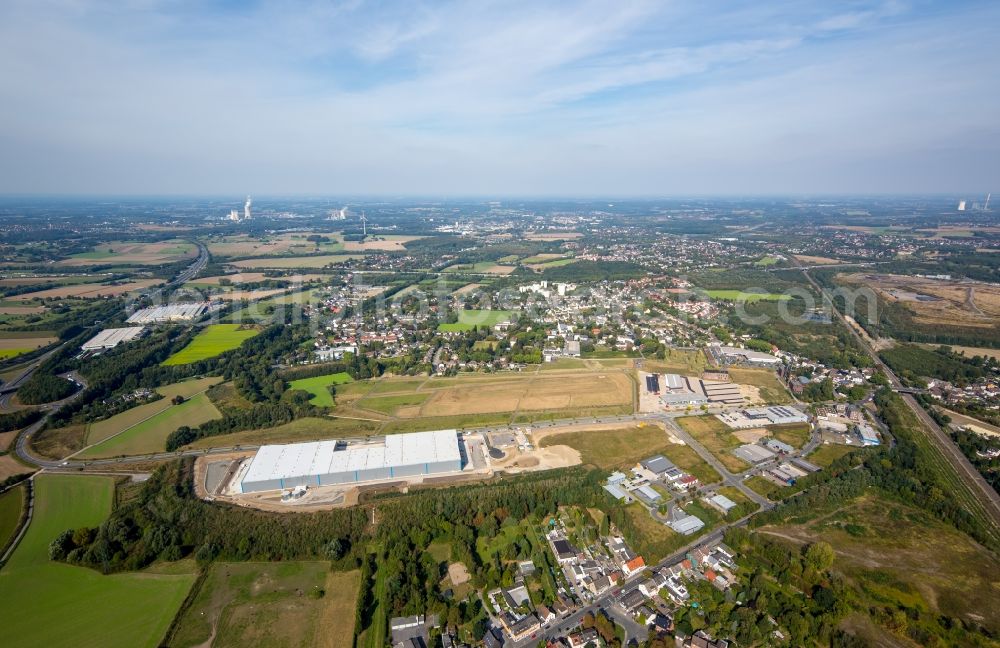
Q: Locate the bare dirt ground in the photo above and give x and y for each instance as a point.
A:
(458, 573)
(558, 456)
(751, 394)
(817, 260)
(391, 244)
(750, 436)
(9, 466)
(977, 426)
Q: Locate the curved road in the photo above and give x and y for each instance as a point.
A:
(23, 444)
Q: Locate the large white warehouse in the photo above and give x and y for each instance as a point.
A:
(324, 463)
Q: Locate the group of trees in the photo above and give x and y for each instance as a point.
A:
(912, 362)
(44, 387)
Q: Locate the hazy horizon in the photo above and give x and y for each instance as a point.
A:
(591, 100)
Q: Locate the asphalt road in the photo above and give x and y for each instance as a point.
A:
(23, 445)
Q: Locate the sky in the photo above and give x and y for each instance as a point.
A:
(638, 98)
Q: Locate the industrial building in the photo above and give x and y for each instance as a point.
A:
(681, 391)
(754, 454)
(110, 338)
(867, 435)
(686, 524)
(170, 313)
(760, 416)
(722, 503)
(325, 463)
(732, 355)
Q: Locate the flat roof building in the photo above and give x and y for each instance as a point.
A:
(325, 463)
(110, 338)
(754, 454)
(170, 313)
(686, 524)
(722, 502)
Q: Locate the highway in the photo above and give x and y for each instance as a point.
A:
(981, 490)
(23, 445)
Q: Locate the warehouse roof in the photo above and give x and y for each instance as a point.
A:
(110, 338)
(325, 457)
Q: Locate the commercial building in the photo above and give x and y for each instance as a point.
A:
(686, 524)
(325, 463)
(754, 454)
(688, 390)
(110, 338)
(867, 434)
(169, 313)
(722, 503)
(751, 417)
(733, 355)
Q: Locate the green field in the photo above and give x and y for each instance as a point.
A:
(12, 353)
(102, 430)
(827, 453)
(739, 295)
(390, 404)
(468, 319)
(150, 436)
(317, 387)
(618, 448)
(54, 604)
(271, 604)
(11, 505)
(766, 261)
(212, 341)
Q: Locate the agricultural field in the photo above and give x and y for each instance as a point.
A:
(10, 466)
(764, 381)
(483, 267)
(273, 604)
(89, 290)
(903, 555)
(288, 244)
(13, 344)
(469, 319)
(102, 430)
(474, 395)
(380, 243)
(555, 263)
(318, 387)
(250, 277)
(318, 261)
(150, 436)
(816, 260)
(717, 439)
(552, 236)
(134, 253)
(54, 604)
(213, 340)
(11, 507)
(747, 297)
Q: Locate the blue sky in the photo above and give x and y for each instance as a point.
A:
(499, 98)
